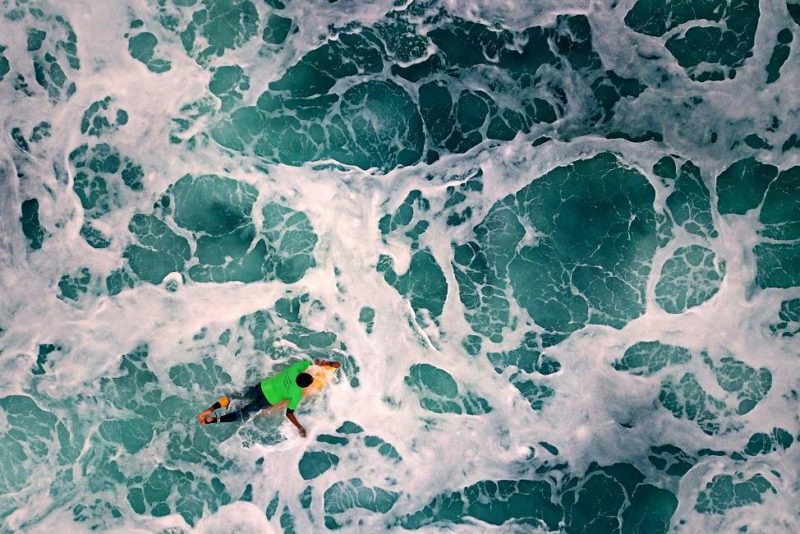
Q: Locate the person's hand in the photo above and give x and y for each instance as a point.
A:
(333, 364)
(302, 432)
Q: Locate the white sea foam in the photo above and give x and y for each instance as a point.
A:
(440, 453)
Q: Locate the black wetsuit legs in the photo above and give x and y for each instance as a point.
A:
(255, 402)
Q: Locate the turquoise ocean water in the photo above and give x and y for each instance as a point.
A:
(554, 243)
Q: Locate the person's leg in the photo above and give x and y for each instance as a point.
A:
(222, 402)
(207, 415)
(257, 402)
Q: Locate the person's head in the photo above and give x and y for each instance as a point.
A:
(304, 380)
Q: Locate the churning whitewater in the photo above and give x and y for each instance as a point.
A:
(554, 245)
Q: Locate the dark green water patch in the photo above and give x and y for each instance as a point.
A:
(289, 308)
(272, 507)
(748, 384)
(686, 398)
(494, 502)
(216, 212)
(744, 388)
(732, 491)
(536, 393)
(307, 497)
(133, 434)
(794, 10)
(349, 427)
(52, 46)
(605, 499)
(671, 460)
(779, 55)
(656, 17)
(95, 238)
(31, 226)
(142, 47)
(385, 449)
(35, 38)
(649, 357)
(788, 324)
(353, 494)
(160, 250)
(374, 122)
(439, 393)
(332, 440)
(99, 172)
(210, 204)
(287, 521)
(98, 515)
(778, 260)
(366, 316)
(706, 52)
(43, 352)
(276, 29)
(4, 64)
(793, 141)
(741, 186)
(204, 374)
(74, 286)
(118, 280)
(472, 344)
(423, 284)
(410, 210)
(593, 503)
(689, 278)
(153, 495)
(229, 83)
(527, 357)
(766, 443)
(27, 436)
(102, 118)
(756, 142)
(38, 133)
(315, 463)
(689, 202)
(582, 235)
(456, 195)
(778, 264)
(209, 28)
(19, 139)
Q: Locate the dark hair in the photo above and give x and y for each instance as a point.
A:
(304, 380)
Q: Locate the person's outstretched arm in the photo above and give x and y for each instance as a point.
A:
(295, 422)
(328, 363)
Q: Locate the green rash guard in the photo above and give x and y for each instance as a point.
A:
(282, 387)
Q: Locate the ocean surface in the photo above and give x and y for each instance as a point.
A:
(555, 245)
